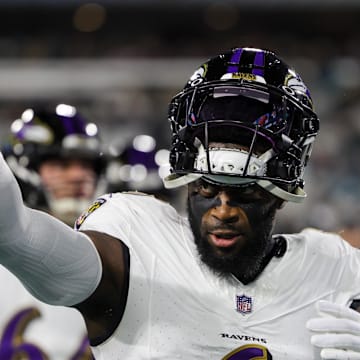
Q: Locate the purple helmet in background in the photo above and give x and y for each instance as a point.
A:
(46, 133)
(42, 133)
(139, 164)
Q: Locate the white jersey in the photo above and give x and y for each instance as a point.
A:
(32, 330)
(178, 309)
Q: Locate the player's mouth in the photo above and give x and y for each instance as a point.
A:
(224, 239)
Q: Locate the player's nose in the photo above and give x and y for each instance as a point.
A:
(223, 210)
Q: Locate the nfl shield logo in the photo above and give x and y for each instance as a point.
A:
(243, 304)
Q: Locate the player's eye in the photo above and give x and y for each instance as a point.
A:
(252, 194)
(205, 189)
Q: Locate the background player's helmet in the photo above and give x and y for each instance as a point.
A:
(48, 133)
(138, 164)
(248, 97)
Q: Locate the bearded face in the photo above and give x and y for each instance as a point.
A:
(232, 227)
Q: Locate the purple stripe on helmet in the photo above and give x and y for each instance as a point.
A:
(67, 124)
(259, 63)
(20, 134)
(235, 59)
(72, 125)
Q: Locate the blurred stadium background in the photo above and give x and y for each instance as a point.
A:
(121, 61)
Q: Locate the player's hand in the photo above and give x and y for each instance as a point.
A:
(336, 331)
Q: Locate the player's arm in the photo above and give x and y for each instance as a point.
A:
(103, 310)
(56, 263)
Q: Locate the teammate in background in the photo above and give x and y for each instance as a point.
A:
(139, 164)
(218, 285)
(55, 154)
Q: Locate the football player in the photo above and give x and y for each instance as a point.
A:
(55, 154)
(57, 157)
(218, 284)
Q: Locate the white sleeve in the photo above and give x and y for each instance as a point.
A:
(57, 264)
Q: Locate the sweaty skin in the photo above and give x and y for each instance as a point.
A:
(232, 227)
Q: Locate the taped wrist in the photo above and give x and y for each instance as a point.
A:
(56, 264)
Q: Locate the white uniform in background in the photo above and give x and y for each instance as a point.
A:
(32, 330)
(178, 309)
